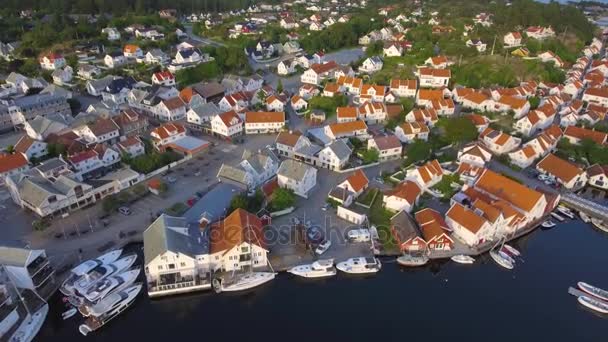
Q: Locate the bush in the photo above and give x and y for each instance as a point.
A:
(201, 72)
(149, 162)
(282, 199)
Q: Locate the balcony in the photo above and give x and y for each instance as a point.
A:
(177, 284)
(37, 265)
(42, 276)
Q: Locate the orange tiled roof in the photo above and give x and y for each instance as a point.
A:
(561, 169)
(13, 161)
(509, 190)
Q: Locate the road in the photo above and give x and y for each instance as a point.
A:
(200, 39)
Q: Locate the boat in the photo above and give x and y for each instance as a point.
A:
(566, 212)
(594, 291)
(413, 260)
(99, 274)
(594, 304)
(67, 288)
(599, 224)
(463, 259)
(558, 217)
(511, 250)
(548, 224)
(499, 259)
(112, 283)
(584, 217)
(108, 308)
(109, 302)
(360, 265)
(69, 313)
(242, 282)
(318, 269)
(506, 256)
(29, 328)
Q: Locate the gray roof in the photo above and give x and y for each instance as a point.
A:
(404, 226)
(161, 236)
(207, 110)
(13, 256)
(309, 150)
(293, 169)
(56, 90)
(258, 160)
(51, 164)
(101, 83)
(49, 124)
(233, 173)
(214, 205)
(340, 148)
(209, 89)
(37, 100)
(35, 189)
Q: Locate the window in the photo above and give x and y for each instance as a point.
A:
(160, 267)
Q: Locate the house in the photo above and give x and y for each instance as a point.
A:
(297, 176)
(274, 103)
(352, 85)
(477, 44)
(111, 33)
(576, 134)
(63, 76)
(171, 109)
(536, 120)
(512, 39)
(425, 97)
(403, 197)
(478, 101)
(307, 91)
(132, 51)
(521, 52)
(26, 268)
(227, 125)
(202, 93)
(298, 103)
(550, 57)
(426, 116)
(291, 47)
(132, 147)
(166, 134)
(438, 62)
(354, 186)
(433, 78)
(519, 106)
(288, 143)
(287, 67)
(164, 78)
(31, 148)
(316, 26)
(499, 142)
(427, 175)
(474, 153)
(288, 23)
(392, 49)
(331, 90)
(538, 147)
(346, 129)
(131, 123)
(7, 51)
(102, 130)
(176, 257)
(264, 122)
(371, 65)
(334, 156)
(372, 112)
(404, 88)
(469, 225)
(235, 101)
(567, 174)
(12, 164)
(318, 72)
(372, 92)
(201, 114)
(407, 234)
(237, 242)
(114, 60)
(598, 176)
(540, 33)
(155, 56)
(389, 147)
(254, 170)
(88, 71)
(596, 96)
(51, 61)
(409, 131)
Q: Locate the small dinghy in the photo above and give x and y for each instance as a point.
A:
(594, 304)
(413, 260)
(558, 217)
(594, 291)
(511, 250)
(548, 224)
(566, 212)
(71, 312)
(463, 259)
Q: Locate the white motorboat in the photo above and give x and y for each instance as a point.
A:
(594, 304)
(566, 212)
(506, 256)
(69, 313)
(99, 274)
(511, 250)
(413, 260)
(548, 224)
(558, 217)
(29, 328)
(594, 291)
(67, 288)
(496, 256)
(242, 282)
(360, 265)
(599, 224)
(110, 302)
(108, 308)
(112, 283)
(584, 217)
(318, 269)
(463, 259)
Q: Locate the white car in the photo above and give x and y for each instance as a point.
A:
(323, 247)
(543, 177)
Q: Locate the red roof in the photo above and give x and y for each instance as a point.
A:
(81, 156)
(10, 162)
(164, 75)
(168, 129)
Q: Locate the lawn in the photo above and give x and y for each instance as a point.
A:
(367, 198)
(381, 218)
(445, 185)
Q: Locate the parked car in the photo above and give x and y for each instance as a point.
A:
(323, 247)
(325, 207)
(543, 177)
(171, 179)
(125, 211)
(379, 180)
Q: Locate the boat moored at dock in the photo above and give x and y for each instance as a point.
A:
(67, 288)
(112, 283)
(242, 282)
(566, 212)
(594, 304)
(108, 308)
(318, 269)
(413, 260)
(548, 224)
(594, 291)
(462, 259)
(100, 273)
(599, 224)
(558, 217)
(584, 217)
(360, 265)
(501, 260)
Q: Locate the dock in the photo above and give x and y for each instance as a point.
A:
(590, 208)
(576, 292)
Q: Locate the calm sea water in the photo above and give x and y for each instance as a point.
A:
(480, 302)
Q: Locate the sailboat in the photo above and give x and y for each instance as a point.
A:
(500, 257)
(242, 282)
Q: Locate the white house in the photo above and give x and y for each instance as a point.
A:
(404, 88)
(371, 65)
(227, 125)
(596, 96)
(111, 33)
(433, 78)
(598, 176)
(297, 176)
(318, 72)
(471, 226)
(52, 61)
(403, 197)
(298, 103)
(30, 147)
(409, 131)
(427, 175)
(570, 176)
(334, 156)
(264, 122)
(512, 39)
(388, 147)
(275, 104)
(132, 51)
(25, 269)
(114, 60)
(164, 78)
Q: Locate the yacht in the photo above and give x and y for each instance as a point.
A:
(566, 212)
(67, 288)
(242, 282)
(112, 283)
(463, 259)
(558, 217)
(412, 260)
(599, 224)
(99, 273)
(496, 256)
(548, 224)
(108, 308)
(594, 304)
(318, 269)
(360, 265)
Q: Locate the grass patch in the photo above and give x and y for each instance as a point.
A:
(367, 198)
(445, 185)
(381, 218)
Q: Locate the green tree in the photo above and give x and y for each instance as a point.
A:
(280, 86)
(370, 155)
(282, 199)
(10, 149)
(418, 150)
(460, 130)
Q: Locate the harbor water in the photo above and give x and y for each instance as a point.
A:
(441, 301)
